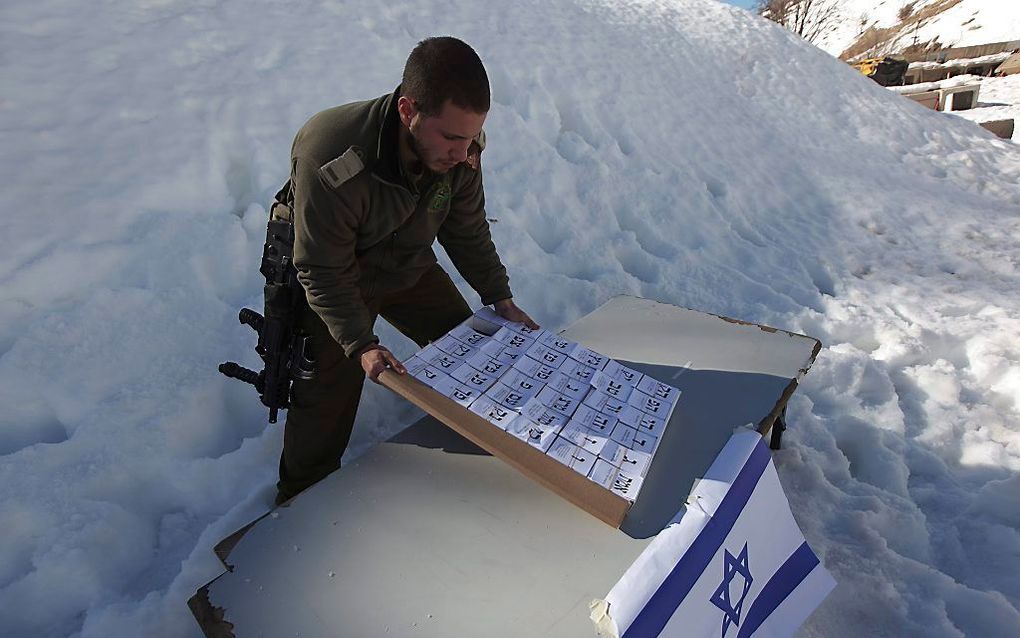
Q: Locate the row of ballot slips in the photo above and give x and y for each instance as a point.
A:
(580, 407)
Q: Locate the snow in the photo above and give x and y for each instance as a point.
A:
(966, 23)
(962, 62)
(948, 83)
(142, 140)
(998, 99)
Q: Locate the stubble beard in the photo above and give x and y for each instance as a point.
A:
(420, 153)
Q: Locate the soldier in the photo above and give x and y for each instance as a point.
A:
(373, 184)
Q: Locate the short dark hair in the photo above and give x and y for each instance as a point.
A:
(445, 68)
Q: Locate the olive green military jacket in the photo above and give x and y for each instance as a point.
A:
(363, 229)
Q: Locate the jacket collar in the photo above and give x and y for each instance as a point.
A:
(387, 150)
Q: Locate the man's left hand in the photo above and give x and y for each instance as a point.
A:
(507, 309)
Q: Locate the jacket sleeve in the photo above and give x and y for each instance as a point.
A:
(325, 231)
(465, 236)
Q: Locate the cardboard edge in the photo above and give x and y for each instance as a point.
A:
(226, 545)
(766, 424)
(741, 322)
(210, 618)
(535, 464)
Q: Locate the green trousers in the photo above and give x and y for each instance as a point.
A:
(322, 410)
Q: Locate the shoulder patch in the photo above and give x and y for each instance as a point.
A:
(343, 168)
(475, 151)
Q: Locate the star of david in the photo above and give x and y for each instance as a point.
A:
(721, 598)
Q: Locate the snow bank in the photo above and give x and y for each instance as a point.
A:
(963, 23)
(683, 151)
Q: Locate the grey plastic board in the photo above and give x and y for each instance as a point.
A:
(730, 373)
(426, 535)
(425, 542)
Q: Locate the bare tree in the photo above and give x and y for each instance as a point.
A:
(775, 10)
(806, 18)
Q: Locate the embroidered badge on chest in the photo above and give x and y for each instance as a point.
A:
(440, 201)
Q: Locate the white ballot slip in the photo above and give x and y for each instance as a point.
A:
(635, 462)
(432, 377)
(605, 403)
(546, 355)
(606, 384)
(493, 412)
(577, 370)
(511, 339)
(573, 432)
(583, 461)
(658, 390)
(603, 473)
(623, 434)
(560, 402)
(439, 359)
(556, 342)
(589, 357)
(525, 331)
(595, 420)
(466, 335)
(486, 313)
(500, 352)
(538, 413)
(570, 386)
(733, 563)
(651, 425)
(622, 373)
(484, 363)
(626, 485)
(644, 442)
(650, 405)
(511, 398)
(457, 391)
(518, 380)
(414, 364)
(612, 452)
(534, 434)
(534, 369)
(630, 415)
(473, 378)
(562, 450)
(594, 442)
(456, 349)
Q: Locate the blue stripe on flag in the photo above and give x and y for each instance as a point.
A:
(678, 583)
(785, 580)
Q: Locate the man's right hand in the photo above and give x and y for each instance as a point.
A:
(376, 358)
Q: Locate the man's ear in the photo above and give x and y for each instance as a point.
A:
(407, 110)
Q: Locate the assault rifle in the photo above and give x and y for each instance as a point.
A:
(282, 346)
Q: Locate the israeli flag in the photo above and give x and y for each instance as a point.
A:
(733, 564)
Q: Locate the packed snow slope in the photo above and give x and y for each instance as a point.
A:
(684, 151)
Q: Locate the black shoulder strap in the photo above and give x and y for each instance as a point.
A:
(283, 203)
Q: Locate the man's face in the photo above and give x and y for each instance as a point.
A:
(441, 142)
